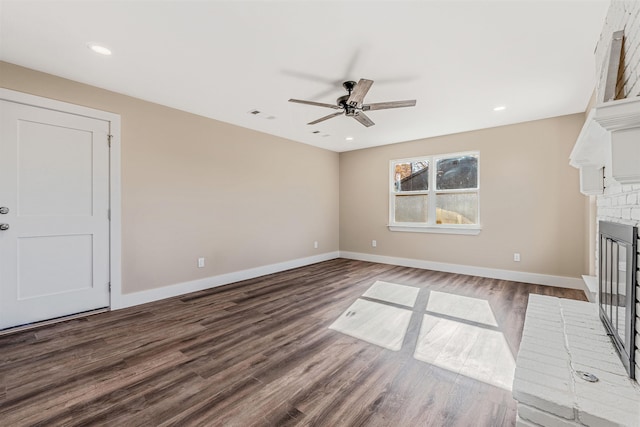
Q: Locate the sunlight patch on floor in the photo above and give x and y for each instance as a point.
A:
(457, 333)
(466, 308)
(391, 292)
(470, 346)
(374, 323)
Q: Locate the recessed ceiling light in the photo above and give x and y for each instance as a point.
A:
(99, 49)
(349, 138)
(500, 108)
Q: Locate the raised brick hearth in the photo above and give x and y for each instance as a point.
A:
(562, 338)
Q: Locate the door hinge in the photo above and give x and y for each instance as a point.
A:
(109, 214)
(109, 140)
(109, 285)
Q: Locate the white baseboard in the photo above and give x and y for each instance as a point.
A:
(492, 273)
(143, 297)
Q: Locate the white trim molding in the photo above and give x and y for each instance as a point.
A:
(473, 230)
(491, 273)
(610, 136)
(143, 297)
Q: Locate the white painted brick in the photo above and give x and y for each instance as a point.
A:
(542, 316)
(604, 393)
(551, 328)
(592, 327)
(618, 384)
(591, 324)
(582, 332)
(587, 319)
(549, 391)
(562, 384)
(522, 423)
(543, 398)
(544, 369)
(572, 306)
(607, 416)
(533, 415)
(597, 346)
(548, 341)
(552, 357)
(610, 363)
(573, 303)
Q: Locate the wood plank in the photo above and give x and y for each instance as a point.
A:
(257, 352)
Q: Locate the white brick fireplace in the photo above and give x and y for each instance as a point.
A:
(563, 338)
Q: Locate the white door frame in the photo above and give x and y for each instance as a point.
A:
(115, 228)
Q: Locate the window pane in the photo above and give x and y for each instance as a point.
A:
(411, 176)
(411, 208)
(457, 173)
(458, 208)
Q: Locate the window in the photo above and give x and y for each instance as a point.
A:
(435, 194)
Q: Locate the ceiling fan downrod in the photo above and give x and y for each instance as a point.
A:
(349, 85)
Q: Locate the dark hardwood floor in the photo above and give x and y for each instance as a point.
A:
(255, 353)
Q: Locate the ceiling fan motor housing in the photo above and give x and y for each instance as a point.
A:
(349, 85)
(342, 101)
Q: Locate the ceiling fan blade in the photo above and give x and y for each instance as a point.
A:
(362, 118)
(387, 105)
(317, 104)
(359, 92)
(322, 119)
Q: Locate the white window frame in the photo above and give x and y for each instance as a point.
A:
(431, 226)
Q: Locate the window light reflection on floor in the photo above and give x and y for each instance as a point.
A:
(457, 333)
(374, 323)
(469, 350)
(390, 292)
(466, 308)
(377, 322)
(460, 334)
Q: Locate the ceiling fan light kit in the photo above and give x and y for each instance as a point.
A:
(352, 104)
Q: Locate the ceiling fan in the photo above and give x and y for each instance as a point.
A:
(352, 104)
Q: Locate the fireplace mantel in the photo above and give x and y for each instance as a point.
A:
(610, 137)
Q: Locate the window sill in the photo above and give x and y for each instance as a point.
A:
(468, 230)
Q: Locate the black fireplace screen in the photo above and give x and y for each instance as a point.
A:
(617, 287)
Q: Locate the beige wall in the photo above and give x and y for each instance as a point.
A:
(529, 200)
(195, 187)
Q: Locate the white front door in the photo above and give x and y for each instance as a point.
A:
(54, 190)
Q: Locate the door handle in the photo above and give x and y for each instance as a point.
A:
(4, 227)
(4, 210)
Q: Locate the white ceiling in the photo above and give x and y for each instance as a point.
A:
(221, 59)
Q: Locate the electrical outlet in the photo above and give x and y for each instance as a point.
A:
(516, 257)
(374, 243)
(200, 262)
(315, 244)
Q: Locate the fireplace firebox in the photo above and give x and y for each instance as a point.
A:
(617, 278)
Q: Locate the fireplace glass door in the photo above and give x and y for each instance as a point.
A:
(618, 248)
(613, 299)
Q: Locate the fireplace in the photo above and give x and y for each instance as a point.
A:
(617, 287)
